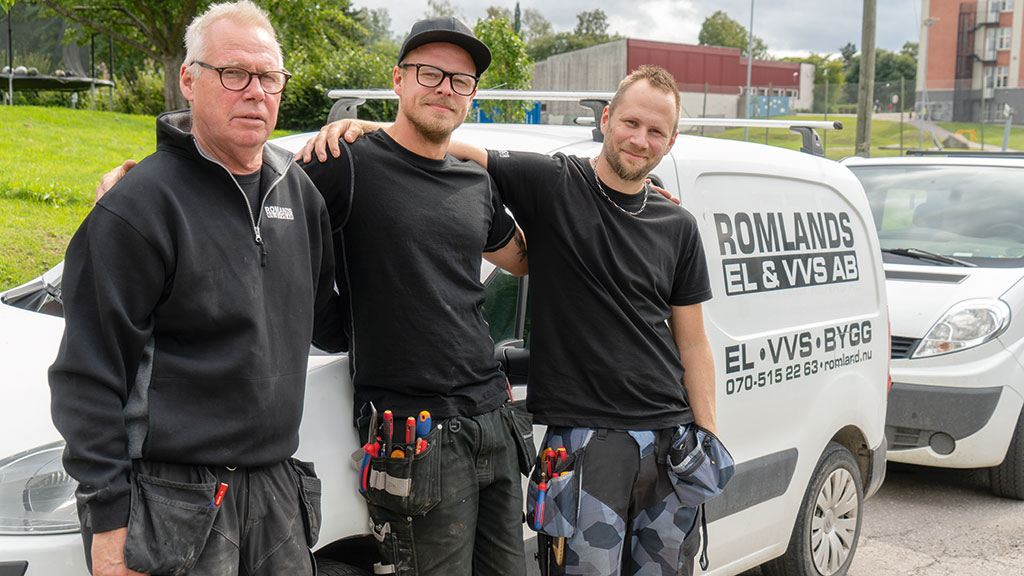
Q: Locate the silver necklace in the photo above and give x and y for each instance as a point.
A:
(600, 188)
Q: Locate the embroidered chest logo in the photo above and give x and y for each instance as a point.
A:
(279, 212)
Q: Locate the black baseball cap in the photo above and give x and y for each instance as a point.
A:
(451, 30)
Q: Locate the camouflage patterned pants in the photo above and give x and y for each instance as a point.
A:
(628, 518)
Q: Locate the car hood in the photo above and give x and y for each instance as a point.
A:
(920, 295)
(28, 345)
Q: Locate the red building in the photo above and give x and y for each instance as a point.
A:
(971, 59)
(711, 79)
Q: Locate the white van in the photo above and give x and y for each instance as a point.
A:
(798, 326)
(952, 235)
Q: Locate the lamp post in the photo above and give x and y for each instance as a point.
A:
(750, 61)
(925, 25)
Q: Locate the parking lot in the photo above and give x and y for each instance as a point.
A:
(938, 522)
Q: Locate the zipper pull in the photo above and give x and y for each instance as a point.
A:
(263, 248)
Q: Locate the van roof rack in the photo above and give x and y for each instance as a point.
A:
(966, 153)
(349, 100)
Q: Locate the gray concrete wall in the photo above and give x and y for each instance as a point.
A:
(717, 106)
(940, 105)
(1012, 96)
(599, 67)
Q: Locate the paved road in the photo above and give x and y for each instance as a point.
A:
(938, 522)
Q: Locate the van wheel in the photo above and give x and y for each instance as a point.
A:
(328, 567)
(828, 524)
(1007, 479)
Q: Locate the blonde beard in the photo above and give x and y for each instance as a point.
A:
(435, 131)
(621, 170)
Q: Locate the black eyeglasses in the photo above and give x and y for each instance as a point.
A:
(431, 77)
(237, 79)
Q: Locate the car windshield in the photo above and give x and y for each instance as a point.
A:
(971, 214)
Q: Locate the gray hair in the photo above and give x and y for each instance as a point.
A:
(241, 12)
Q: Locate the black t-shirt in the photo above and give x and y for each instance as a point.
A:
(250, 185)
(412, 231)
(602, 284)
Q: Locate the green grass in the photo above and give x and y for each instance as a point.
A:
(885, 136)
(33, 237)
(993, 134)
(57, 155)
(51, 161)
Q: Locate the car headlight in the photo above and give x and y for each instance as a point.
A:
(967, 324)
(36, 495)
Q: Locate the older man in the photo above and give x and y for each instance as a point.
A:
(413, 223)
(189, 294)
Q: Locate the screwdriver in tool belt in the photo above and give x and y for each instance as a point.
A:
(422, 429)
(423, 426)
(538, 511)
(389, 431)
(410, 436)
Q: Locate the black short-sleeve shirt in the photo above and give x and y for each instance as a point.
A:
(602, 284)
(410, 233)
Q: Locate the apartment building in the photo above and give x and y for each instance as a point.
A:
(972, 51)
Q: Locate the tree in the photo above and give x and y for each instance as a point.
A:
(889, 66)
(310, 33)
(510, 68)
(498, 12)
(591, 28)
(721, 30)
(909, 49)
(534, 26)
(592, 24)
(155, 28)
(848, 52)
(377, 23)
(825, 67)
(437, 8)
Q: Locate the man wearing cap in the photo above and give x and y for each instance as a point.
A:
(611, 258)
(411, 223)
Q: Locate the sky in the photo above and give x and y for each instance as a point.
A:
(788, 27)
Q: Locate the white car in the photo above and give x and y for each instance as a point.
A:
(798, 326)
(952, 234)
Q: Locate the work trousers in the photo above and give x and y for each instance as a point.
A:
(184, 522)
(619, 511)
(462, 514)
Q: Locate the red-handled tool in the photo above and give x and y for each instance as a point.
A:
(389, 431)
(546, 464)
(410, 430)
(538, 511)
(364, 472)
(219, 496)
(560, 456)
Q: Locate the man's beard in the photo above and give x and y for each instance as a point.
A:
(627, 173)
(434, 131)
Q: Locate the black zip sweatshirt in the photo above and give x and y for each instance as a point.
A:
(189, 318)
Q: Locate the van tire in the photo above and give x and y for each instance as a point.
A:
(836, 469)
(328, 567)
(1007, 479)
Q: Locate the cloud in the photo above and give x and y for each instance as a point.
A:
(786, 26)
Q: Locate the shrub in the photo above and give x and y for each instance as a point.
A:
(143, 94)
(305, 106)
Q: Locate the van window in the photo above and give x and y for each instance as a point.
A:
(968, 212)
(501, 305)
